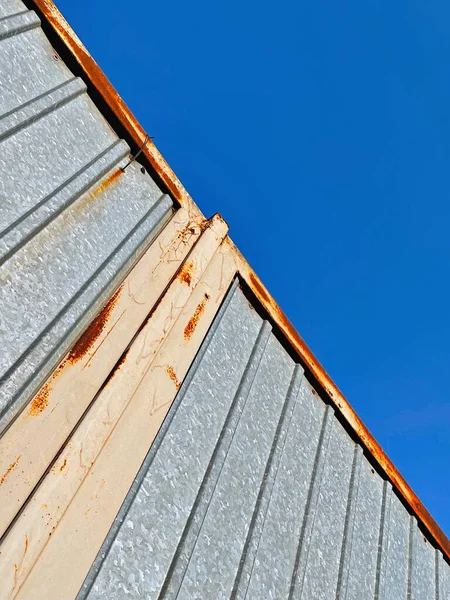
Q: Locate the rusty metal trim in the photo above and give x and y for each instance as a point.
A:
(97, 79)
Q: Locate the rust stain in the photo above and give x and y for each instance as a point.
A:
(173, 376)
(63, 466)
(26, 545)
(90, 336)
(16, 568)
(40, 401)
(11, 467)
(106, 183)
(193, 321)
(185, 273)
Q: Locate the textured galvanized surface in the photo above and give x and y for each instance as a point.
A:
(66, 40)
(253, 489)
(72, 223)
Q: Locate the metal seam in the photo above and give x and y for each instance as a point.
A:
(437, 583)
(383, 541)
(269, 477)
(349, 524)
(214, 469)
(310, 511)
(410, 556)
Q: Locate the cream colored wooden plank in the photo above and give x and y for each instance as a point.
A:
(63, 565)
(42, 514)
(30, 444)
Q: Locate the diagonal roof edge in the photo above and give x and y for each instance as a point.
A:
(62, 35)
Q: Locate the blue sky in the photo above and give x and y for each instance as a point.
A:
(321, 132)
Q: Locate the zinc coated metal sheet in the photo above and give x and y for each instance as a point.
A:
(10, 7)
(254, 489)
(72, 222)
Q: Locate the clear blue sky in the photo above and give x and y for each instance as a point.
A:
(321, 132)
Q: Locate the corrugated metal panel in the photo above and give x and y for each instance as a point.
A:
(72, 222)
(253, 489)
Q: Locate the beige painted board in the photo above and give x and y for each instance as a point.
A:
(61, 567)
(29, 446)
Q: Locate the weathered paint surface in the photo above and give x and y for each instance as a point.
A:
(56, 409)
(137, 400)
(74, 463)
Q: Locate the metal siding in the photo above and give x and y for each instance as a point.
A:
(220, 542)
(444, 577)
(72, 222)
(316, 572)
(274, 562)
(360, 550)
(422, 565)
(394, 547)
(10, 7)
(255, 490)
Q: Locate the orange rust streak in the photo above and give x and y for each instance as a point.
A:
(90, 336)
(106, 183)
(26, 545)
(193, 321)
(40, 401)
(11, 467)
(185, 273)
(340, 402)
(173, 376)
(63, 466)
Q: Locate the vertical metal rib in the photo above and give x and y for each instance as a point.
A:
(380, 582)
(254, 534)
(436, 573)
(121, 515)
(347, 541)
(301, 557)
(410, 556)
(180, 562)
